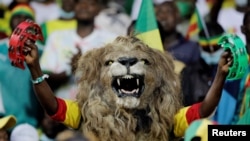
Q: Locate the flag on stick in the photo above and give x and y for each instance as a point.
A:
(146, 26)
(195, 24)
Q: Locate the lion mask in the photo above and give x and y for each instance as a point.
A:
(128, 91)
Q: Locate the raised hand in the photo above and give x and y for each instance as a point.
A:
(225, 62)
(214, 94)
(31, 54)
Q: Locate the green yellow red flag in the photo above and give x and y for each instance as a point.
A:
(146, 26)
(195, 24)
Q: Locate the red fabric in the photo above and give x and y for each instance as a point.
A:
(247, 83)
(193, 113)
(60, 115)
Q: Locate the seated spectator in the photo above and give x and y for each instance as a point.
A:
(65, 21)
(112, 18)
(63, 47)
(17, 95)
(45, 10)
(186, 51)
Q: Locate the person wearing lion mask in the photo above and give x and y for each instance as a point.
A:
(127, 91)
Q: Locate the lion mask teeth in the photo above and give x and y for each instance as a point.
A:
(128, 85)
(137, 81)
(128, 92)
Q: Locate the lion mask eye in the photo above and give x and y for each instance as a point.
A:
(145, 61)
(109, 62)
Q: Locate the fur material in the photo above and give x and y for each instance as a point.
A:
(128, 91)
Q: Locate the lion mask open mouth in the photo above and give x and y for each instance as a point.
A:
(128, 85)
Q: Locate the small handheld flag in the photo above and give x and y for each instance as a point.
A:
(146, 26)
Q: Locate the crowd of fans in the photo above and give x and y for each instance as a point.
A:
(72, 27)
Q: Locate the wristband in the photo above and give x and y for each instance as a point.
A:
(40, 79)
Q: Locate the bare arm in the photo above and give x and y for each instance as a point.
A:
(213, 96)
(56, 80)
(43, 91)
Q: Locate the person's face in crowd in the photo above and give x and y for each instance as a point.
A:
(87, 10)
(68, 5)
(168, 16)
(17, 19)
(3, 135)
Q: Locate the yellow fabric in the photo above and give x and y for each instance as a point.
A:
(4, 23)
(150, 39)
(228, 4)
(56, 25)
(60, 25)
(198, 128)
(7, 122)
(203, 129)
(180, 122)
(73, 118)
(73, 114)
(178, 66)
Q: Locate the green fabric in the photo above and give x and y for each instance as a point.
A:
(146, 18)
(16, 90)
(128, 6)
(146, 26)
(184, 7)
(44, 32)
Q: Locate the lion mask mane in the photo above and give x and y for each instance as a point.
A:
(128, 91)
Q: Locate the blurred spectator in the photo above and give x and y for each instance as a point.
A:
(66, 20)
(234, 11)
(178, 64)
(16, 91)
(24, 132)
(113, 18)
(197, 78)
(16, 2)
(6, 123)
(186, 9)
(45, 10)
(183, 50)
(5, 29)
(63, 47)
